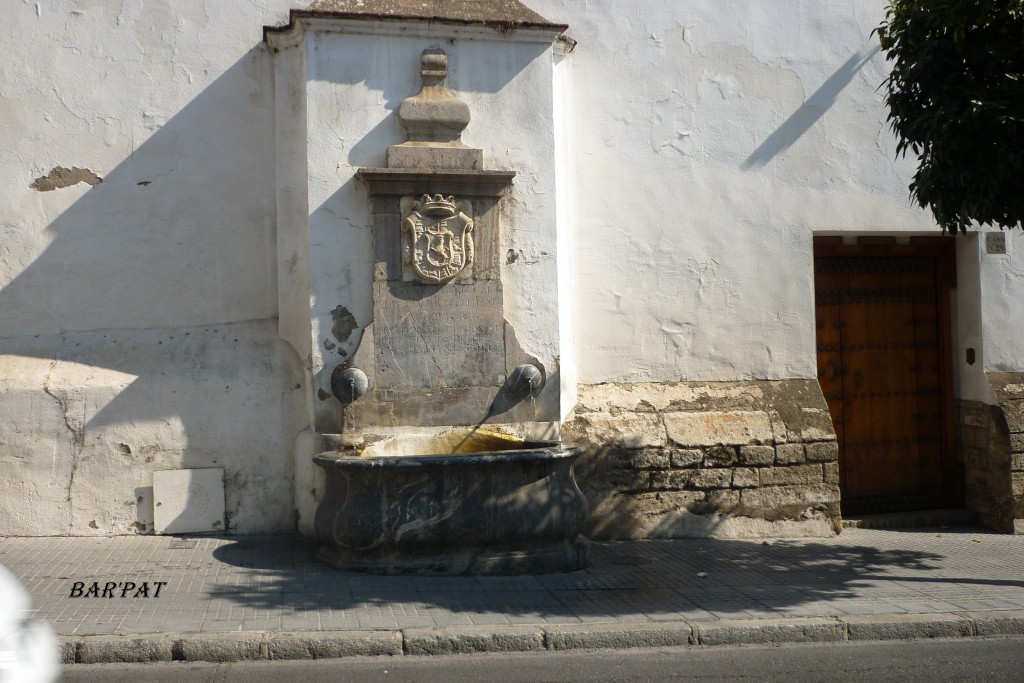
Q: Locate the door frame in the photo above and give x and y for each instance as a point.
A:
(943, 248)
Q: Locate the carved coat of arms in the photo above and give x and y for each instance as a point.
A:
(437, 239)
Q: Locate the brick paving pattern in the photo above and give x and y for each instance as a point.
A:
(272, 583)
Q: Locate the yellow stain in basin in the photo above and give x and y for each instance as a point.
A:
(459, 441)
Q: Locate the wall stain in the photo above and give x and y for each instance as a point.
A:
(344, 323)
(61, 177)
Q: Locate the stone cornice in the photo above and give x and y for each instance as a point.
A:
(403, 182)
(510, 19)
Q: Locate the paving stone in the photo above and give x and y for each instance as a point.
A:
(219, 647)
(997, 623)
(906, 626)
(971, 575)
(68, 649)
(108, 649)
(464, 640)
(762, 631)
(593, 636)
(334, 644)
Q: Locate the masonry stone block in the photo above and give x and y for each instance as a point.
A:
(757, 455)
(831, 472)
(1017, 483)
(1014, 412)
(780, 432)
(816, 425)
(650, 458)
(673, 479)
(598, 459)
(712, 479)
(721, 501)
(784, 499)
(793, 474)
(789, 453)
(745, 477)
(616, 480)
(713, 428)
(627, 430)
(668, 501)
(1017, 443)
(823, 451)
(685, 457)
(720, 456)
(1017, 462)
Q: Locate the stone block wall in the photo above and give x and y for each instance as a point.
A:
(724, 459)
(991, 440)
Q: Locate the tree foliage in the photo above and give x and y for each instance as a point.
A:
(956, 99)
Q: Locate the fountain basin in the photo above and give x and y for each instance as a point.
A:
(512, 511)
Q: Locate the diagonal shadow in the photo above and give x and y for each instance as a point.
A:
(808, 113)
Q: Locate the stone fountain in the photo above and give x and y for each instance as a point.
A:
(439, 466)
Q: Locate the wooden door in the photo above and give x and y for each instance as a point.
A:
(884, 365)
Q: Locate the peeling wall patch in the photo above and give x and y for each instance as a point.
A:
(61, 177)
(344, 323)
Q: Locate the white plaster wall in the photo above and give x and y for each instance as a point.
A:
(1002, 294)
(89, 416)
(138, 317)
(356, 84)
(710, 141)
(704, 144)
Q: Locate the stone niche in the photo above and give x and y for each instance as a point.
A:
(380, 103)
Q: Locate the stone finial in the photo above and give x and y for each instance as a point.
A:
(434, 120)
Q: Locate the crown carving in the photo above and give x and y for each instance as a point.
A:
(437, 205)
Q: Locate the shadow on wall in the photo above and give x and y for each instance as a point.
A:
(155, 305)
(624, 578)
(389, 71)
(808, 113)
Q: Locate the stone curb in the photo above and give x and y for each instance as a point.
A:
(238, 646)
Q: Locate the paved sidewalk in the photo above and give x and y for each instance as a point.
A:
(266, 586)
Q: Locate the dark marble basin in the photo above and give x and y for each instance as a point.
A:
(511, 511)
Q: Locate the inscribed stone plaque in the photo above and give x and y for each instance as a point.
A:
(995, 243)
(429, 336)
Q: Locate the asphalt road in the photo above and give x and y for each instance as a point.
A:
(989, 660)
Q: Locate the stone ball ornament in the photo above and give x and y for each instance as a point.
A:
(526, 381)
(348, 384)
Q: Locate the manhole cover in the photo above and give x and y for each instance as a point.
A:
(182, 544)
